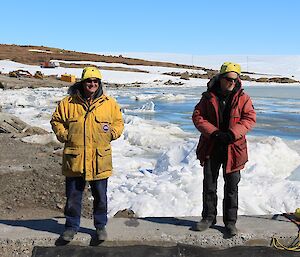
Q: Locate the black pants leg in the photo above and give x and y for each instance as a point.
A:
(210, 182)
(230, 201)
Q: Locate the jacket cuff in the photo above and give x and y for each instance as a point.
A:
(63, 137)
(214, 134)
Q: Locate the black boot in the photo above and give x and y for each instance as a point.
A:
(204, 224)
(101, 234)
(68, 235)
(231, 229)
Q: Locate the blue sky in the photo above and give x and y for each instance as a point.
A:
(186, 26)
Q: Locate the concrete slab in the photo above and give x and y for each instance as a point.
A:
(22, 235)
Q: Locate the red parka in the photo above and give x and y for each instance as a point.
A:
(242, 119)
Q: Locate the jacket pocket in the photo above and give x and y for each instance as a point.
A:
(203, 147)
(104, 159)
(104, 126)
(73, 160)
(75, 127)
(103, 130)
(239, 153)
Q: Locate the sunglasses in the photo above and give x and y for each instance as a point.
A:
(230, 79)
(92, 80)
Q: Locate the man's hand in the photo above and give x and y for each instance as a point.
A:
(223, 137)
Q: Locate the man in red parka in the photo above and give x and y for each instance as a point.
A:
(223, 116)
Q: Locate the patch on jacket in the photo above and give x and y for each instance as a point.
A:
(105, 127)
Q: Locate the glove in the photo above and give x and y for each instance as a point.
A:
(223, 137)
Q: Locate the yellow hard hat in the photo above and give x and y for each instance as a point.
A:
(230, 67)
(297, 214)
(90, 72)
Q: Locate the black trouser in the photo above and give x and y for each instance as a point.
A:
(210, 199)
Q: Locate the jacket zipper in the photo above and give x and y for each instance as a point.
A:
(84, 140)
(84, 135)
(215, 105)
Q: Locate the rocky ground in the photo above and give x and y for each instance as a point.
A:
(7, 82)
(31, 184)
(30, 180)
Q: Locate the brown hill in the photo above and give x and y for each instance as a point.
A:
(29, 55)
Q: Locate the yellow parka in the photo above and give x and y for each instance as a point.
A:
(87, 130)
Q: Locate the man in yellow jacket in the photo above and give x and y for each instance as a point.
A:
(87, 121)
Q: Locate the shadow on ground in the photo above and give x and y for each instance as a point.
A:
(183, 222)
(47, 225)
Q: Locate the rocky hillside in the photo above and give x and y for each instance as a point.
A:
(29, 55)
